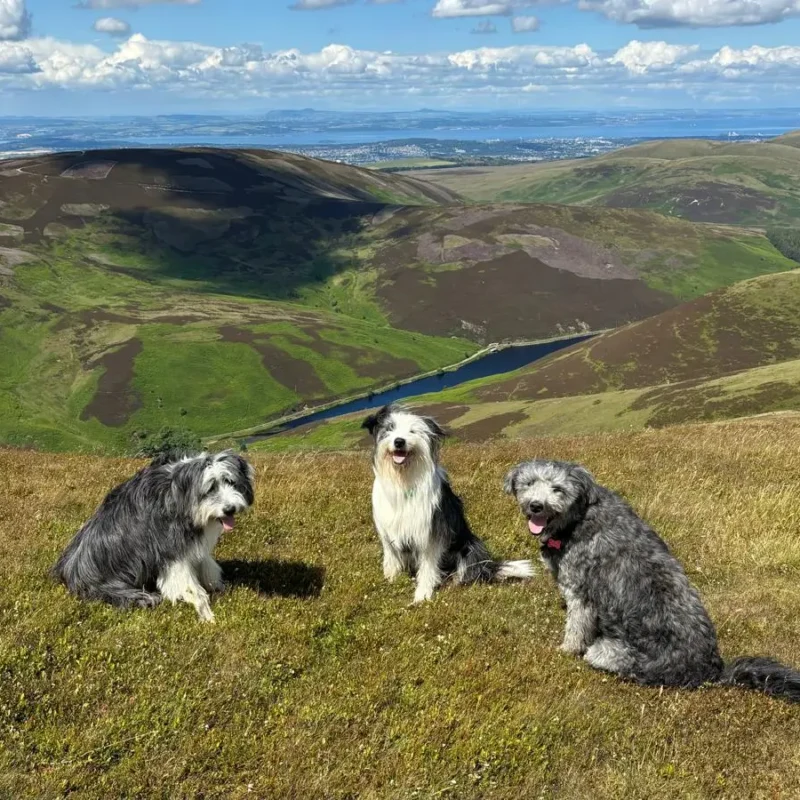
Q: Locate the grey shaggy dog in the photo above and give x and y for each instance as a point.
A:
(153, 536)
(630, 607)
(420, 520)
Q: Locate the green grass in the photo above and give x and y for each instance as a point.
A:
(769, 389)
(731, 354)
(721, 262)
(173, 373)
(338, 434)
(184, 374)
(318, 680)
(672, 255)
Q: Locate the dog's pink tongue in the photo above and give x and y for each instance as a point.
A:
(537, 524)
(398, 458)
(228, 523)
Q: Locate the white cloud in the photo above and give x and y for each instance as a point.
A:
(315, 5)
(760, 57)
(487, 8)
(132, 4)
(15, 21)
(693, 13)
(643, 57)
(525, 58)
(524, 24)
(484, 27)
(16, 59)
(111, 26)
(474, 8)
(190, 69)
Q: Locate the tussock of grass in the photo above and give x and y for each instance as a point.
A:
(323, 683)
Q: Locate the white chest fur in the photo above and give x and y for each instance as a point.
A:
(403, 512)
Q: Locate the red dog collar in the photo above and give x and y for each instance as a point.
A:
(553, 544)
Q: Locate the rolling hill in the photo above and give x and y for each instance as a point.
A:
(748, 183)
(732, 353)
(213, 290)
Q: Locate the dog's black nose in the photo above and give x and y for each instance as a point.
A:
(399, 443)
(536, 508)
(228, 512)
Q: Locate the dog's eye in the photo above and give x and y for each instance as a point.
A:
(213, 488)
(558, 490)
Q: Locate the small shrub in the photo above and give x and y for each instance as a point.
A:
(166, 440)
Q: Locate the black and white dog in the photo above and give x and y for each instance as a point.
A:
(419, 519)
(153, 536)
(630, 607)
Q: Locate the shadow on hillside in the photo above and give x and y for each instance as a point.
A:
(275, 577)
(229, 221)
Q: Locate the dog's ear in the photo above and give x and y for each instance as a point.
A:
(242, 465)
(437, 431)
(186, 478)
(587, 483)
(374, 421)
(510, 483)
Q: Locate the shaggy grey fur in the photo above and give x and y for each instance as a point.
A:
(420, 520)
(156, 519)
(630, 607)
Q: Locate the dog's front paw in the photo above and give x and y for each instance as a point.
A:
(392, 574)
(392, 569)
(572, 648)
(148, 600)
(205, 613)
(422, 597)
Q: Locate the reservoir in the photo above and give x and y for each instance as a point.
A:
(495, 362)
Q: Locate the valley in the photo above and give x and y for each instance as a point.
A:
(213, 291)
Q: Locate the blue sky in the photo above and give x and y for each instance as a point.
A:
(206, 55)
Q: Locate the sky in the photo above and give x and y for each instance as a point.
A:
(84, 57)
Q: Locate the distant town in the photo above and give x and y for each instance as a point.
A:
(419, 138)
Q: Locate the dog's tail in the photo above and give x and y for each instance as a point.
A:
(514, 569)
(474, 564)
(764, 675)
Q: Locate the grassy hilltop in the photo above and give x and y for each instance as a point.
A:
(319, 681)
(214, 290)
(747, 183)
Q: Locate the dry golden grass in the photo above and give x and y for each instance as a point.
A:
(323, 683)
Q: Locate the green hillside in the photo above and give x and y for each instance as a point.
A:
(754, 184)
(213, 290)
